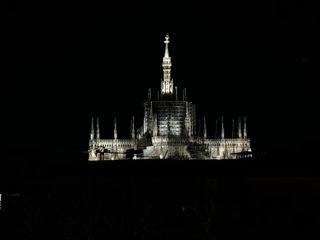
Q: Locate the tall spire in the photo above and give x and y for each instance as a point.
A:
(244, 127)
(133, 134)
(98, 129)
(115, 135)
(204, 128)
(239, 128)
(187, 120)
(166, 41)
(92, 129)
(222, 128)
(176, 92)
(167, 83)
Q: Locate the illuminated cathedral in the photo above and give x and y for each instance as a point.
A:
(169, 130)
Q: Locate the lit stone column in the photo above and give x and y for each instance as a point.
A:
(115, 134)
(98, 129)
(92, 129)
(222, 129)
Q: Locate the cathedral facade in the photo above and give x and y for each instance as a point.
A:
(169, 130)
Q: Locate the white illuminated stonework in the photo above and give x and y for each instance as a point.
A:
(169, 131)
(166, 83)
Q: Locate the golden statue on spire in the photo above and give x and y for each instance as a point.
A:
(167, 39)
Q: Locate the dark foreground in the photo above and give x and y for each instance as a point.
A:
(249, 199)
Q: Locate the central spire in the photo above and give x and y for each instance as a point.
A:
(166, 83)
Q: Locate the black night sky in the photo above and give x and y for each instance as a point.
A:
(71, 61)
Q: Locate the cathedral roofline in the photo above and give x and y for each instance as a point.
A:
(170, 130)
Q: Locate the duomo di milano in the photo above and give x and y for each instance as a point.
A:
(169, 130)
